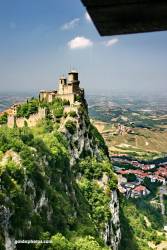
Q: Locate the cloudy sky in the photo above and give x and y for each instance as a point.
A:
(43, 39)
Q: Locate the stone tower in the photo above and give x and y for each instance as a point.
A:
(68, 89)
(73, 81)
(69, 85)
(62, 84)
(73, 76)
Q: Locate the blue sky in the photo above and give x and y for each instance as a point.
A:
(42, 39)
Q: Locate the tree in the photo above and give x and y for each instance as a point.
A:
(71, 127)
(131, 177)
(3, 118)
(59, 242)
(28, 108)
(88, 243)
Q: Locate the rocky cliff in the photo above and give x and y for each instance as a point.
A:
(57, 183)
(87, 141)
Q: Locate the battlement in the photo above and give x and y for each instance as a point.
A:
(68, 89)
(22, 121)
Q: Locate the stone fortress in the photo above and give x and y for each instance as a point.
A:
(68, 89)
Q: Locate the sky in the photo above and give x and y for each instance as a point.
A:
(40, 40)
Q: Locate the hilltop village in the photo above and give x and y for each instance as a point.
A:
(133, 176)
(68, 91)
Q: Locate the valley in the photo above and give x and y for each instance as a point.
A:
(137, 151)
(135, 131)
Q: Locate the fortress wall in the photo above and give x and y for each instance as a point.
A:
(67, 89)
(11, 121)
(43, 96)
(68, 97)
(31, 121)
(50, 98)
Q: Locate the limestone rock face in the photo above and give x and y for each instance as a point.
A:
(112, 234)
(113, 231)
(32, 121)
(79, 142)
(5, 215)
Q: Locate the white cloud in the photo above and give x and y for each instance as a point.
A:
(71, 24)
(111, 42)
(87, 17)
(80, 42)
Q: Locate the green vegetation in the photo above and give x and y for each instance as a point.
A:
(46, 162)
(98, 202)
(98, 139)
(28, 108)
(165, 204)
(42, 190)
(152, 186)
(71, 126)
(78, 98)
(31, 107)
(142, 144)
(72, 114)
(92, 172)
(130, 177)
(57, 107)
(147, 122)
(59, 242)
(129, 117)
(88, 243)
(92, 168)
(141, 219)
(3, 119)
(140, 223)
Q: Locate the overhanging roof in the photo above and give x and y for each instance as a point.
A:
(113, 17)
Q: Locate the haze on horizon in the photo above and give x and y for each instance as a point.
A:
(40, 40)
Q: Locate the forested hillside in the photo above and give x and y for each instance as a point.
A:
(57, 184)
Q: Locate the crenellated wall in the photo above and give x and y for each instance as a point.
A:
(67, 97)
(31, 121)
